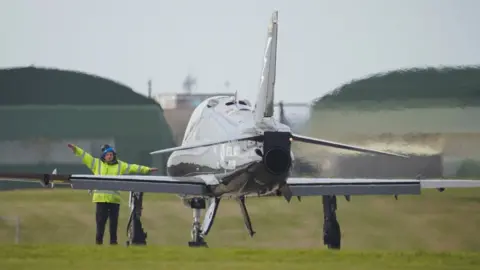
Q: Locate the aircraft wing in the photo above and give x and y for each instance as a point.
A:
(195, 185)
(341, 186)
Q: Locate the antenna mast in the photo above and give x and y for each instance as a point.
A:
(188, 84)
(150, 88)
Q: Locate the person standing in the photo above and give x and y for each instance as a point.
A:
(107, 201)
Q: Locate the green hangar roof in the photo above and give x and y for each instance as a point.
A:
(418, 87)
(402, 103)
(42, 109)
(44, 86)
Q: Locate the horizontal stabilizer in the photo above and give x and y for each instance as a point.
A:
(306, 139)
(192, 146)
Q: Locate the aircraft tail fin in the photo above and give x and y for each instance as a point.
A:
(265, 97)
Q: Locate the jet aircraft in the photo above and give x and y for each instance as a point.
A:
(231, 149)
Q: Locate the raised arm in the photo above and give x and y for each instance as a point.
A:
(87, 159)
(128, 168)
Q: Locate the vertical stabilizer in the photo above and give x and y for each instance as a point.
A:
(265, 97)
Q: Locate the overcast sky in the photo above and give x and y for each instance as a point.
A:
(322, 44)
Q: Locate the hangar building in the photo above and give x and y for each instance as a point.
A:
(41, 110)
(425, 112)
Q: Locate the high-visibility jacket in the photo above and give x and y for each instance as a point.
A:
(102, 168)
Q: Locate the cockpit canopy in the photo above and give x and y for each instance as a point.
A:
(242, 104)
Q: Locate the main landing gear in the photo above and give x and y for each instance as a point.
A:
(197, 204)
(199, 230)
(331, 227)
(135, 233)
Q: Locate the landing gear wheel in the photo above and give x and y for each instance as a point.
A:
(197, 241)
(197, 237)
(334, 235)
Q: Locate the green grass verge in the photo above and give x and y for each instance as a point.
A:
(83, 257)
(434, 221)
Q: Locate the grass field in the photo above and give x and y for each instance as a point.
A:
(448, 221)
(119, 258)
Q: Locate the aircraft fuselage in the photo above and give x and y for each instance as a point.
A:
(242, 167)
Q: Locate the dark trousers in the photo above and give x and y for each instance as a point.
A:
(106, 211)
